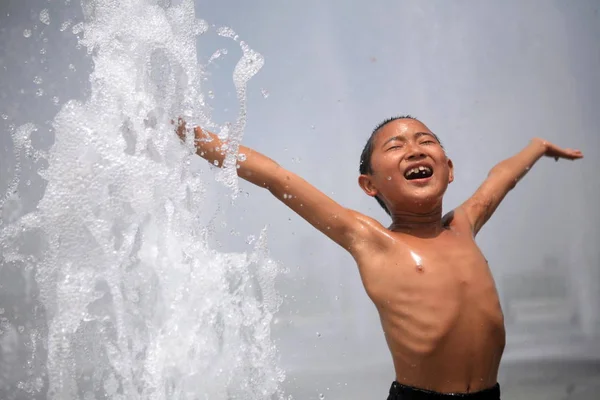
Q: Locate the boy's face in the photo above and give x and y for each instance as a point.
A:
(410, 169)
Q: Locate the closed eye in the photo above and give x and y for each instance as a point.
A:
(428, 142)
(394, 147)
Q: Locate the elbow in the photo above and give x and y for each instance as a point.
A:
(498, 170)
(504, 177)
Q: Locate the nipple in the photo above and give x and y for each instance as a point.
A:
(418, 260)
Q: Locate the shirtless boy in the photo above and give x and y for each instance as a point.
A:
(431, 284)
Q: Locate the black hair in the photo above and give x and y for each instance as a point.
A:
(365, 157)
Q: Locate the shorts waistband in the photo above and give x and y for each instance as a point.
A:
(403, 392)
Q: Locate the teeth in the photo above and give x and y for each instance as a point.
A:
(417, 170)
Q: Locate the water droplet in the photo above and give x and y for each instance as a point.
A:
(313, 127)
(211, 94)
(389, 178)
(39, 92)
(37, 80)
(65, 25)
(21, 329)
(45, 16)
(4, 116)
(27, 33)
(77, 28)
(321, 396)
(200, 27)
(250, 239)
(318, 334)
(265, 93)
(225, 32)
(242, 157)
(43, 51)
(337, 297)
(55, 99)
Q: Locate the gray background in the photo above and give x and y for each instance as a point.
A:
(485, 76)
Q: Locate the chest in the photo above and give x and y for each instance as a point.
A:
(452, 266)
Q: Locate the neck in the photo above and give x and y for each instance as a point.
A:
(428, 224)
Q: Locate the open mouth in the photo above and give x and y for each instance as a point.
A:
(420, 172)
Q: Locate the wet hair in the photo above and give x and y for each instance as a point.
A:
(365, 157)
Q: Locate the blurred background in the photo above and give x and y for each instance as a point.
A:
(485, 76)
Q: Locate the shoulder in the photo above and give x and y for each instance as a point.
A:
(368, 226)
(370, 237)
(457, 216)
(459, 219)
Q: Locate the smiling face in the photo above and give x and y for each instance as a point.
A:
(410, 170)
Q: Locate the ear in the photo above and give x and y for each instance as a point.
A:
(451, 171)
(367, 185)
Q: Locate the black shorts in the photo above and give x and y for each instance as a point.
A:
(401, 392)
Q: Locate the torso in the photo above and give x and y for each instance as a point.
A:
(439, 309)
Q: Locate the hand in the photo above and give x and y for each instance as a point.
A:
(552, 150)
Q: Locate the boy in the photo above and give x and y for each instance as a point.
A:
(431, 284)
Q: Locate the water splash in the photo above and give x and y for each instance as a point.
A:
(248, 66)
(137, 305)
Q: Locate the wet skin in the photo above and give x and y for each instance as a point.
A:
(440, 313)
(431, 284)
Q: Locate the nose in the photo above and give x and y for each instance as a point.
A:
(415, 154)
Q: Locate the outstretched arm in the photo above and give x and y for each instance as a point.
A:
(505, 175)
(346, 227)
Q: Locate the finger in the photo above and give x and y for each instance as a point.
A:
(567, 152)
(575, 154)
